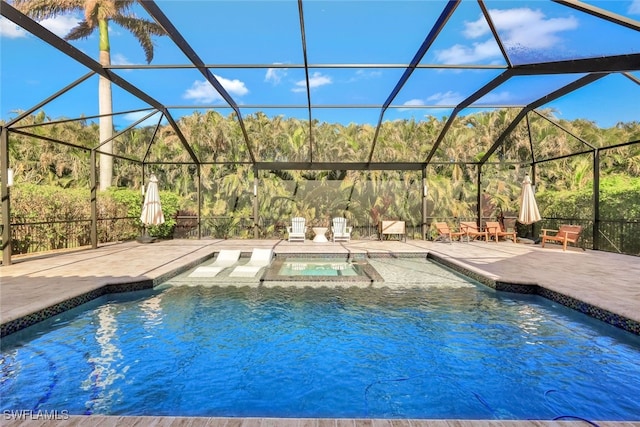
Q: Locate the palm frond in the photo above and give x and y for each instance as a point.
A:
(43, 9)
(80, 31)
(141, 30)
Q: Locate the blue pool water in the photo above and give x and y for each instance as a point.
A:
(317, 267)
(442, 352)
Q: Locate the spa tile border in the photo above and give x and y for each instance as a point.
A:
(370, 275)
(31, 319)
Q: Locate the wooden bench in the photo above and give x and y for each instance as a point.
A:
(392, 228)
(566, 234)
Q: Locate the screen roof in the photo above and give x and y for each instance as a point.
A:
(348, 62)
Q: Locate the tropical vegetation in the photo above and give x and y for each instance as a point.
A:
(226, 176)
(97, 16)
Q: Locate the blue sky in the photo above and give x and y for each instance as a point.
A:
(337, 32)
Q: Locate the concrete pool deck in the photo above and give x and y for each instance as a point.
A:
(33, 287)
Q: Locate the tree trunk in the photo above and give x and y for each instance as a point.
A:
(106, 132)
(106, 122)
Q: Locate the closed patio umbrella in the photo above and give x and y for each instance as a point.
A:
(528, 207)
(151, 209)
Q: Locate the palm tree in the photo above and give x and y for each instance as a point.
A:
(97, 14)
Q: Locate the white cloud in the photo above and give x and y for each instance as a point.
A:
(364, 75)
(135, 116)
(496, 98)
(530, 28)
(634, 7)
(120, 59)
(446, 98)
(441, 98)
(60, 25)
(368, 74)
(317, 79)
(461, 54)
(414, 103)
(475, 29)
(275, 75)
(454, 98)
(516, 27)
(202, 91)
(10, 30)
(114, 30)
(234, 87)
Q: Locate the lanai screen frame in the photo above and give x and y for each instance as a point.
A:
(592, 68)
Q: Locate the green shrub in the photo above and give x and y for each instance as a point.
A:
(619, 200)
(132, 200)
(47, 217)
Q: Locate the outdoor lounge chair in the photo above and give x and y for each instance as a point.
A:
(297, 229)
(445, 233)
(471, 230)
(566, 234)
(260, 258)
(339, 230)
(495, 230)
(226, 258)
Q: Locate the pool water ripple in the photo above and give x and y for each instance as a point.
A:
(459, 351)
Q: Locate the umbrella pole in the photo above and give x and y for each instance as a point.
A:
(145, 238)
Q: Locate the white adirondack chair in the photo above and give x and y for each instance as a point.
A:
(297, 229)
(339, 230)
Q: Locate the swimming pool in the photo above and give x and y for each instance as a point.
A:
(446, 349)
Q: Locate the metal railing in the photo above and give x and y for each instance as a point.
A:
(620, 236)
(239, 228)
(44, 236)
(49, 235)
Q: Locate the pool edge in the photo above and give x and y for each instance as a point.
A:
(14, 325)
(583, 307)
(22, 322)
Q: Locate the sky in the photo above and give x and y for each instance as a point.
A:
(264, 37)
